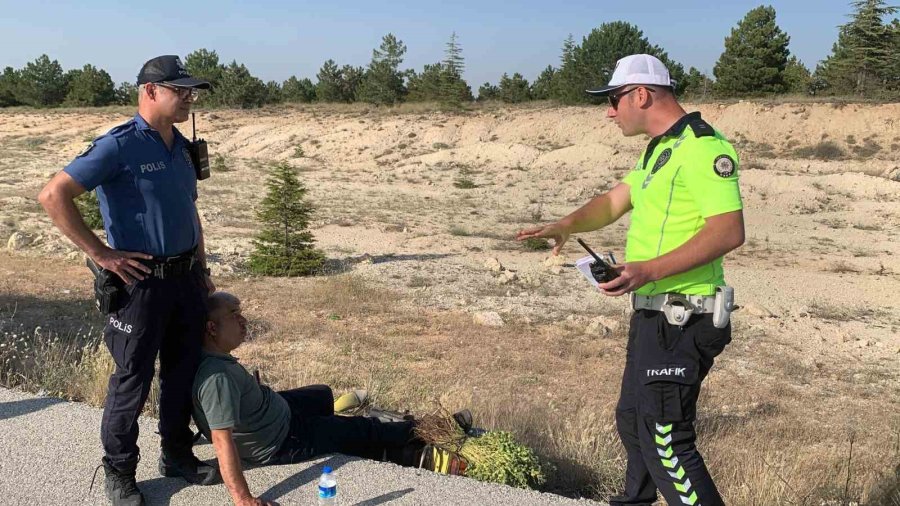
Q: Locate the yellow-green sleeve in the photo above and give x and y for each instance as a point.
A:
(711, 177)
(634, 177)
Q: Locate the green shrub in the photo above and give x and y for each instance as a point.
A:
(89, 207)
(465, 183)
(536, 244)
(459, 231)
(220, 163)
(825, 150)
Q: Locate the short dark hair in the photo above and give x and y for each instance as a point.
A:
(218, 300)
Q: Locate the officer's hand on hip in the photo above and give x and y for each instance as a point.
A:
(632, 276)
(123, 263)
(553, 231)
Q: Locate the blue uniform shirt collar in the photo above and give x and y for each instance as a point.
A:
(142, 124)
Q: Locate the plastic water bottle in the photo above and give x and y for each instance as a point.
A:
(327, 488)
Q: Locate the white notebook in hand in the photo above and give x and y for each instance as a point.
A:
(584, 266)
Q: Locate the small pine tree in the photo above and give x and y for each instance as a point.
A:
(591, 64)
(697, 84)
(204, 64)
(351, 80)
(274, 94)
(127, 94)
(488, 91)
(298, 90)
(797, 78)
(427, 86)
(755, 56)
(89, 87)
(542, 87)
(454, 89)
(514, 89)
(383, 83)
(567, 84)
(9, 87)
(328, 89)
(284, 247)
(866, 57)
(239, 88)
(42, 83)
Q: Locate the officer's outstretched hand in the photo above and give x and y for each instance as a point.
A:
(632, 276)
(552, 231)
(123, 263)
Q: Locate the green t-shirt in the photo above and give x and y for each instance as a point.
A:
(226, 396)
(686, 175)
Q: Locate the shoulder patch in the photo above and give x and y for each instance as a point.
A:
(87, 149)
(187, 157)
(724, 166)
(701, 128)
(661, 160)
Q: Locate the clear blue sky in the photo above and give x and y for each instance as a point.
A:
(277, 39)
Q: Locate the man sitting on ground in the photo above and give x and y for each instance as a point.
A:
(248, 421)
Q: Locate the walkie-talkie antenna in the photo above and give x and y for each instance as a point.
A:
(589, 250)
(194, 127)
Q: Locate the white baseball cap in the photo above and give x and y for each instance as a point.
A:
(636, 69)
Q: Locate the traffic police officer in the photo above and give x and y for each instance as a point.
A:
(147, 188)
(687, 214)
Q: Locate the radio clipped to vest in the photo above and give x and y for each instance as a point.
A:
(199, 153)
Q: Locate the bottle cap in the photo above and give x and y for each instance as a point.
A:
(327, 469)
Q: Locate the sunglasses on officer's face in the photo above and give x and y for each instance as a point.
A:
(183, 92)
(614, 99)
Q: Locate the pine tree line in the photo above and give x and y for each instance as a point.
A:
(864, 61)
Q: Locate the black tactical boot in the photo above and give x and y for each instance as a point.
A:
(121, 487)
(175, 463)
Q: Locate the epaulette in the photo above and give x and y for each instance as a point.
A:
(124, 128)
(701, 128)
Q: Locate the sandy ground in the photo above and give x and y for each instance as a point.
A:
(816, 278)
(820, 233)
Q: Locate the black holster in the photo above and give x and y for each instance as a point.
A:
(107, 289)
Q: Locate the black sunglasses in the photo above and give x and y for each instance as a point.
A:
(614, 99)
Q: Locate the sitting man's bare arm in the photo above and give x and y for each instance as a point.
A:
(232, 473)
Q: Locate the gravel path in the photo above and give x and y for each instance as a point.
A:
(49, 449)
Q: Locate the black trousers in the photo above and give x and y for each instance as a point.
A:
(315, 430)
(664, 367)
(160, 316)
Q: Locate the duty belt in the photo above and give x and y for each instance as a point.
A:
(677, 307)
(170, 267)
(699, 303)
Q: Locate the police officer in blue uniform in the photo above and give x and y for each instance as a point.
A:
(147, 187)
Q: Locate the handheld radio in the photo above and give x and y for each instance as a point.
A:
(199, 153)
(602, 271)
